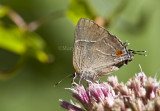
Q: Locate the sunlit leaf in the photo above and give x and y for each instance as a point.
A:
(36, 47)
(11, 38)
(20, 42)
(42, 56)
(80, 9)
(3, 11)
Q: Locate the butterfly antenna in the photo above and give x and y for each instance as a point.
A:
(137, 52)
(70, 75)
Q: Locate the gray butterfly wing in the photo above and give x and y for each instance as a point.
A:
(95, 49)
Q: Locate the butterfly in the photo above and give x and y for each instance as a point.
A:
(96, 52)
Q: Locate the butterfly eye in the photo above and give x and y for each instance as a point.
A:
(119, 53)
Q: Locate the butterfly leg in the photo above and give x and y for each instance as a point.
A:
(73, 80)
(81, 78)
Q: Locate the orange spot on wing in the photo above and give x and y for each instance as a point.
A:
(119, 53)
(75, 69)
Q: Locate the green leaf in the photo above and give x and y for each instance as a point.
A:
(80, 9)
(36, 46)
(20, 42)
(3, 11)
(11, 38)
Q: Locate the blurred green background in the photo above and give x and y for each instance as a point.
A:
(36, 41)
